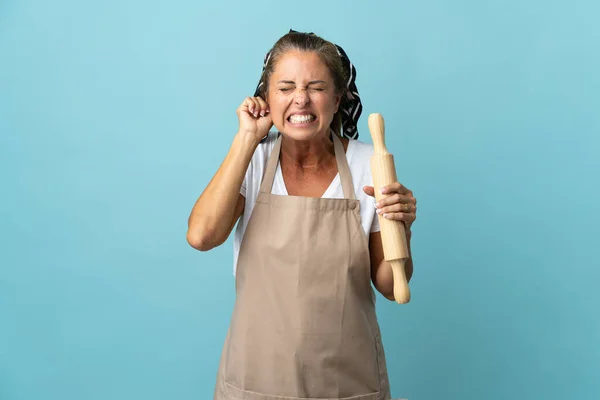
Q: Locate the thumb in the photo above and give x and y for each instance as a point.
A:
(369, 190)
(265, 123)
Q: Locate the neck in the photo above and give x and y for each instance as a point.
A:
(311, 154)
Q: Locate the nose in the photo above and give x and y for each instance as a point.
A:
(301, 97)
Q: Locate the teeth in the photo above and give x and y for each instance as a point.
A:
(301, 119)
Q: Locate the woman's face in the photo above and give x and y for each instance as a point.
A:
(302, 97)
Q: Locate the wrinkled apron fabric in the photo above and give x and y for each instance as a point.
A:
(304, 323)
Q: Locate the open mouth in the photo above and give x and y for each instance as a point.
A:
(301, 118)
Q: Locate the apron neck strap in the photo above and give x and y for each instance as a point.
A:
(343, 168)
(342, 164)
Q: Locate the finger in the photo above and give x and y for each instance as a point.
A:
(398, 207)
(265, 123)
(398, 216)
(369, 190)
(395, 198)
(263, 107)
(246, 105)
(395, 187)
(251, 105)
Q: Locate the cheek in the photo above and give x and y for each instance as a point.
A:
(276, 107)
(326, 104)
(277, 111)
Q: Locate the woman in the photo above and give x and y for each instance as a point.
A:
(307, 246)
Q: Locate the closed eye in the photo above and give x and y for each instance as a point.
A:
(317, 89)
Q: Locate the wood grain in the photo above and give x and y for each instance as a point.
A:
(393, 234)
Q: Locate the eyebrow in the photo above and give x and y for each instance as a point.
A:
(293, 83)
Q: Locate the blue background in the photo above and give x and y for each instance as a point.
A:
(114, 116)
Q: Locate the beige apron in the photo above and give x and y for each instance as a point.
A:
(304, 323)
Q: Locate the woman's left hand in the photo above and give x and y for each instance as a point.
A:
(398, 204)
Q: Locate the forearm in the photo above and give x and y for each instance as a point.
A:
(384, 277)
(212, 216)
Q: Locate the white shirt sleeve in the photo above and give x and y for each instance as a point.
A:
(244, 184)
(375, 227)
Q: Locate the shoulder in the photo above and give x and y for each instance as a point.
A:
(270, 139)
(359, 160)
(262, 151)
(360, 149)
(259, 159)
(265, 146)
(359, 153)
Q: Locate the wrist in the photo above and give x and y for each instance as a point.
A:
(247, 139)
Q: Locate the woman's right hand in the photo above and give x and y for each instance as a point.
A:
(255, 118)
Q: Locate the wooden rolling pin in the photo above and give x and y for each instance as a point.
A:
(393, 234)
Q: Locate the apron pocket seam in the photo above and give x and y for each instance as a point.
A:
(232, 392)
(381, 368)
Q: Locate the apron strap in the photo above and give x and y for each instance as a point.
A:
(342, 164)
(269, 175)
(343, 168)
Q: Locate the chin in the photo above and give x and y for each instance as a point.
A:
(301, 136)
(303, 133)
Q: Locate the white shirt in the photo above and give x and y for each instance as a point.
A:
(358, 155)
